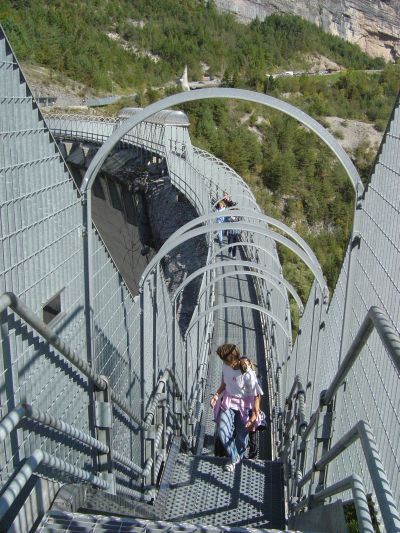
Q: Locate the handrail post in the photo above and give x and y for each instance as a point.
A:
(162, 417)
(104, 425)
(150, 451)
(176, 401)
(354, 245)
(278, 381)
(323, 434)
(154, 294)
(142, 343)
(86, 201)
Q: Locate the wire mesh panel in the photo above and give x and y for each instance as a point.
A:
(190, 182)
(116, 325)
(224, 179)
(369, 277)
(41, 261)
(372, 392)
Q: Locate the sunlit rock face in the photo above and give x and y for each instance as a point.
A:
(373, 25)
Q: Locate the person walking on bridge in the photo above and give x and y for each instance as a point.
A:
(236, 403)
(221, 220)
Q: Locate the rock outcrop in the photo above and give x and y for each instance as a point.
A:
(372, 24)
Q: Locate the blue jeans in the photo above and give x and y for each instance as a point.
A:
(221, 232)
(229, 421)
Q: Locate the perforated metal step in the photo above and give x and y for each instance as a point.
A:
(202, 492)
(97, 501)
(81, 523)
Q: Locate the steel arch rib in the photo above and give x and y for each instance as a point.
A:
(173, 242)
(261, 275)
(239, 94)
(240, 304)
(252, 244)
(249, 213)
(233, 263)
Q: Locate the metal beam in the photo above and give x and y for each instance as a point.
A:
(173, 242)
(362, 431)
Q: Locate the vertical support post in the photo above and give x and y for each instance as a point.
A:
(323, 434)
(174, 394)
(355, 242)
(149, 438)
(142, 367)
(104, 424)
(87, 237)
(163, 420)
(88, 271)
(155, 311)
(185, 391)
(279, 402)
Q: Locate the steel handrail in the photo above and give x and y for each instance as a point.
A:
(9, 299)
(356, 485)
(362, 431)
(14, 417)
(377, 319)
(298, 393)
(37, 458)
(25, 410)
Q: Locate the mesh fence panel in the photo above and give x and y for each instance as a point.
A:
(371, 391)
(40, 260)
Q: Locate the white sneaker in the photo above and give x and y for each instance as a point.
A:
(230, 467)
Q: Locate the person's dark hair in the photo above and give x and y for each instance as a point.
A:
(228, 352)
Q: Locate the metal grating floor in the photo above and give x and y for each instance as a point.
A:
(200, 490)
(242, 327)
(81, 523)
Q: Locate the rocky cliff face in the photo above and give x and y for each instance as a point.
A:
(372, 24)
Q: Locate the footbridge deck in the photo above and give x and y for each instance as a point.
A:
(199, 490)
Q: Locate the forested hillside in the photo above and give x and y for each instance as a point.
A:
(142, 46)
(96, 41)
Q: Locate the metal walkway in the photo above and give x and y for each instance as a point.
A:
(200, 491)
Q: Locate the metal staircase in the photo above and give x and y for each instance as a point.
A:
(195, 489)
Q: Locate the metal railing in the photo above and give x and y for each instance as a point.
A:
(297, 444)
(12, 420)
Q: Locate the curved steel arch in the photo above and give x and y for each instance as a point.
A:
(251, 273)
(248, 243)
(260, 275)
(173, 242)
(249, 264)
(239, 94)
(259, 217)
(240, 304)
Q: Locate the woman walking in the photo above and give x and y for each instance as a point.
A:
(236, 403)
